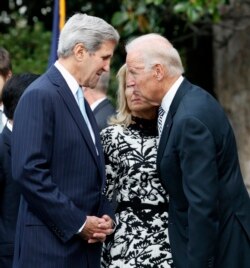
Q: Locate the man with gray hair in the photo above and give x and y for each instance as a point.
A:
(197, 161)
(57, 157)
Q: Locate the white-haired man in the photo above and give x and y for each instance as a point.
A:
(209, 207)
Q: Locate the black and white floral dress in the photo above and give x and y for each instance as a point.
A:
(141, 236)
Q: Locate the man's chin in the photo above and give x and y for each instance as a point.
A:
(151, 101)
(154, 103)
(93, 84)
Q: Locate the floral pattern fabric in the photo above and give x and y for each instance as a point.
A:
(141, 236)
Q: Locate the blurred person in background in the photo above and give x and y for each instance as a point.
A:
(5, 74)
(99, 103)
(9, 191)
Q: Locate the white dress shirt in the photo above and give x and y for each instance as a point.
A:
(96, 103)
(3, 118)
(169, 96)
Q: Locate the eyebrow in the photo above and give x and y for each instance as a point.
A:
(136, 68)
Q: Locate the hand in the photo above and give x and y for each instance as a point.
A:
(106, 227)
(96, 229)
(108, 223)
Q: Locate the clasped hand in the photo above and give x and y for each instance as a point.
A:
(96, 229)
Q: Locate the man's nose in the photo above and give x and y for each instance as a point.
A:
(106, 66)
(130, 81)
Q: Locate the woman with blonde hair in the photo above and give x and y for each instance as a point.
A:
(130, 147)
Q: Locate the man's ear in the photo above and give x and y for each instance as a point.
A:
(158, 71)
(79, 51)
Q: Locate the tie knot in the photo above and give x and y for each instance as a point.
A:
(79, 93)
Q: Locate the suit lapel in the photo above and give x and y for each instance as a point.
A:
(97, 137)
(164, 135)
(169, 120)
(73, 108)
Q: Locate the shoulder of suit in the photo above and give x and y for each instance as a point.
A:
(105, 105)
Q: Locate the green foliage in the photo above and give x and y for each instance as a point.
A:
(196, 10)
(149, 16)
(138, 17)
(28, 46)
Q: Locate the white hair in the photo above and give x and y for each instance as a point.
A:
(156, 49)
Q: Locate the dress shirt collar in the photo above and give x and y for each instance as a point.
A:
(96, 103)
(70, 80)
(169, 96)
(3, 117)
(9, 125)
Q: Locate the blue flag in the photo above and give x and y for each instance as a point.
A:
(58, 22)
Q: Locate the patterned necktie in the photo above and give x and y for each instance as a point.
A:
(161, 113)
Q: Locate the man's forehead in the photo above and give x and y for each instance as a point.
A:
(107, 45)
(134, 62)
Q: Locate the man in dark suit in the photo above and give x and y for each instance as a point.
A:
(57, 156)
(209, 209)
(9, 191)
(101, 106)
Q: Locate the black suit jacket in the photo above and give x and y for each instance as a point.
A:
(60, 175)
(209, 209)
(9, 201)
(102, 112)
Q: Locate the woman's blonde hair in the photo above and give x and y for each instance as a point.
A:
(123, 115)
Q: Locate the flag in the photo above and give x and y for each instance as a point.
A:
(58, 22)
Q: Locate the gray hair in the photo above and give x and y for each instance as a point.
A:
(156, 49)
(88, 30)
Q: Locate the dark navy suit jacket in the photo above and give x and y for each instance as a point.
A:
(60, 175)
(209, 209)
(102, 112)
(9, 201)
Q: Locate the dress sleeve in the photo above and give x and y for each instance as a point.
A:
(109, 142)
